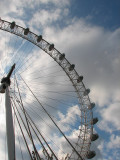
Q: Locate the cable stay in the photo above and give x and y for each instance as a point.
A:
(35, 150)
(23, 135)
(79, 156)
(36, 133)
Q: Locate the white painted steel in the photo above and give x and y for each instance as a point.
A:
(9, 127)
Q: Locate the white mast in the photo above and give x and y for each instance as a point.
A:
(4, 88)
(9, 127)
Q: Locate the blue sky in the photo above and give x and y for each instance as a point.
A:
(88, 31)
(102, 13)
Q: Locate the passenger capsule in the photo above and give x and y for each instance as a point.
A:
(39, 38)
(62, 56)
(91, 106)
(12, 25)
(94, 121)
(94, 137)
(72, 66)
(79, 79)
(51, 47)
(26, 31)
(91, 154)
(87, 91)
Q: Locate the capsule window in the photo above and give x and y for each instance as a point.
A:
(26, 31)
(91, 106)
(94, 121)
(94, 137)
(91, 154)
(51, 47)
(87, 91)
(61, 57)
(79, 79)
(39, 38)
(12, 25)
(71, 67)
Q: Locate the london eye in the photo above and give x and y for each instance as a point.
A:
(49, 115)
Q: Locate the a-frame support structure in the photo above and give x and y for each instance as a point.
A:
(4, 88)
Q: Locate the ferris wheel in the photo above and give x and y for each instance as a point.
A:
(49, 115)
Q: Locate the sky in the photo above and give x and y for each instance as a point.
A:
(88, 32)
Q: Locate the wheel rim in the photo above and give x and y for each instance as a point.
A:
(86, 129)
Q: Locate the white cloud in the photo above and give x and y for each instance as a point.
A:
(61, 3)
(95, 52)
(109, 149)
(17, 8)
(110, 118)
(96, 55)
(112, 114)
(14, 7)
(44, 17)
(114, 142)
(70, 117)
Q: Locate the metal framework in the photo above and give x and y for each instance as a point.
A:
(86, 130)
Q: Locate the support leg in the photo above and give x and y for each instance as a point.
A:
(9, 127)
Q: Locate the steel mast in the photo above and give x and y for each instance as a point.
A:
(4, 88)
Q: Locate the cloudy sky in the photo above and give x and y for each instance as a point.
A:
(88, 32)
